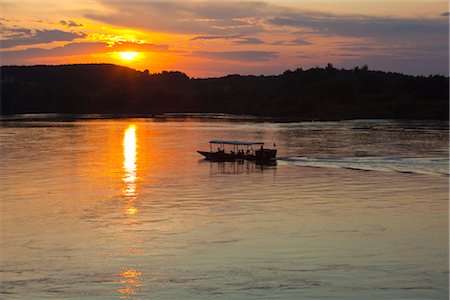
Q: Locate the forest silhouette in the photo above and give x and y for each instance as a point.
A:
(314, 94)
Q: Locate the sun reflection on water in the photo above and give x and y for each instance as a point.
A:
(130, 166)
(129, 161)
(130, 277)
(131, 280)
(131, 211)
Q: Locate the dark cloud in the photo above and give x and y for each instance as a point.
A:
(9, 33)
(345, 55)
(216, 37)
(294, 42)
(286, 21)
(300, 41)
(363, 27)
(238, 39)
(357, 48)
(22, 36)
(242, 56)
(446, 14)
(426, 47)
(21, 56)
(70, 23)
(248, 41)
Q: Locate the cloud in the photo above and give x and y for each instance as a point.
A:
(144, 47)
(70, 23)
(219, 19)
(238, 39)
(382, 28)
(250, 25)
(21, 56)
(427, 46)
(23, 36)
(14, 32)
(294, 42)
(248, 41)
(358, 48)
(211, 10)
(346, 55)
(86, 48)
(215, 37)
(242, 56)
(191, 17)
(300, 41)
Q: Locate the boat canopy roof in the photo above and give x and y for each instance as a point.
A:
(235, 143)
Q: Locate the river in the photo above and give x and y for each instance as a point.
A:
(126, 209)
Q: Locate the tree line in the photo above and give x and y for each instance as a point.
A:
(313, 94)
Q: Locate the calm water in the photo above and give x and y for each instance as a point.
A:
(126, 208)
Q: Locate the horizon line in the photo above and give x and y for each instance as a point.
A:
(364, 67)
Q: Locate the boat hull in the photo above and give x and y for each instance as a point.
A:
(260, 156)
(218, 156)
(265, 155)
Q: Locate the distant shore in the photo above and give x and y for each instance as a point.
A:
(44, 117)
(299, 95)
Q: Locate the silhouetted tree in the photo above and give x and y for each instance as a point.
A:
(317, 93)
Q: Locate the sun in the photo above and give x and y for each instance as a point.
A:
(128, 55)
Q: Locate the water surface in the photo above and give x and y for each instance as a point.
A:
(126, 208)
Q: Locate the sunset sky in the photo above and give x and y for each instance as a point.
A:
(215, 38)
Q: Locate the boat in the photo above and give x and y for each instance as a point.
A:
(237, 150)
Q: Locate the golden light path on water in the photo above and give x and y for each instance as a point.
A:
(129, 166)
(130, 277)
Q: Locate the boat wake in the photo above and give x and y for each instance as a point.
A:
(439, 166)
